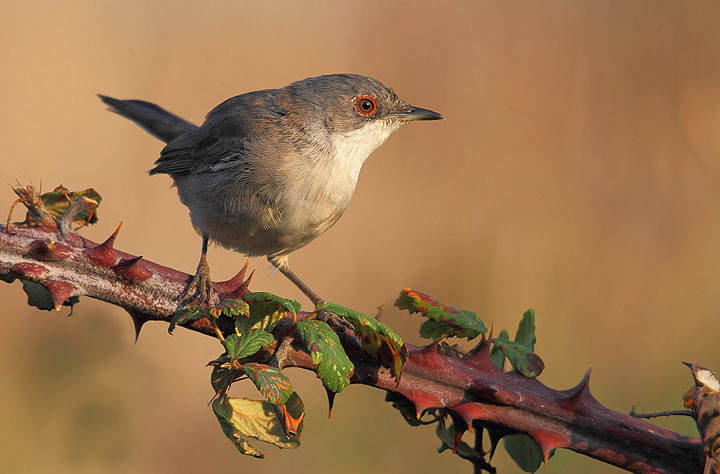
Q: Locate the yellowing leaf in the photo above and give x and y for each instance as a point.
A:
(241, 418)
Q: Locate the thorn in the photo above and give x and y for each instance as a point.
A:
(480, 355)
(576, 393)
(548, 440)
(104, 254)
(60, 292)
(139, 319)
(460, 428)
(238, 292)
(458, 438)
(49, 251)
(331, 401)
(495, 436)
(233, 283)
(131, 270)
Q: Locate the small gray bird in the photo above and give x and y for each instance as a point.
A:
(270, 170)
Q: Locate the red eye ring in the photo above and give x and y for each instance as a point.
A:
(365, 105)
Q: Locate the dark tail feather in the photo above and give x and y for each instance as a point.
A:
(157, 121)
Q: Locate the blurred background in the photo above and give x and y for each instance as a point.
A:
(578, 173)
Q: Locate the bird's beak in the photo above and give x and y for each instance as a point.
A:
(411, 113)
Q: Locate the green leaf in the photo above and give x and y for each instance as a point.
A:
(376, 338)
(333, 366)
(241, 418)
(58, 200)
(525, 335)
(248, 343)
(524, 451)
(446, 320)
(266, 310)
(404, 406)
(272, 384)
(496, 355)
(260, 299)
(524, 361)
(230, 308)
(186, 315)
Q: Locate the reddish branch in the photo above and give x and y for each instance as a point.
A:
(472, 389)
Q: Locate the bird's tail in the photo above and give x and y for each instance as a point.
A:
(155, 120)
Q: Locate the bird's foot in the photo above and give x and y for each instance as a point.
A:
(200, 288)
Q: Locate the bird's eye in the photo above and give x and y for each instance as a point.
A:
(365, 105)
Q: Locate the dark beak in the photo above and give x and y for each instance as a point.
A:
(411, 113)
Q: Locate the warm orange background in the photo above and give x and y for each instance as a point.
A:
(577, 173)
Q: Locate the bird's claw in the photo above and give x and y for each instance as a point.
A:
(200, 288)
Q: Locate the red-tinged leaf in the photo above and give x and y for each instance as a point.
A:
(333, 366)
(376, 338)
(272, 384)
(58, 200)
(186, 315)
(248, 343)
(443, 320)
(223, 376)
(524, 361)
(230, 308)
(291, 415)
(241, 418)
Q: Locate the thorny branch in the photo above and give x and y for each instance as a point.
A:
(471, 390)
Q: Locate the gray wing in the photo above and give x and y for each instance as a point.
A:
(221, 142)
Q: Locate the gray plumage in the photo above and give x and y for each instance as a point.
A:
(269, 171)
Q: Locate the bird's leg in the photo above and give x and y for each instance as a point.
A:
(281, 264)
(201, 281)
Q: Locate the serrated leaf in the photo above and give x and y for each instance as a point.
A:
(376, 338)
(525, 452)
(447, 320)
(525, 334)
(241, 418)
(265, 310)
(230, 308)
(248, 343)
(263, 298)
(524, 361)
(333, 366)
(496, 355)
(222, 376)
(186, 315)
(58, 200)
(272, 384)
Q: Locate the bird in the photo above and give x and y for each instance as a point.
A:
(269, 171)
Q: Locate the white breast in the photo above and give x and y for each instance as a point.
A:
(351, 149)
